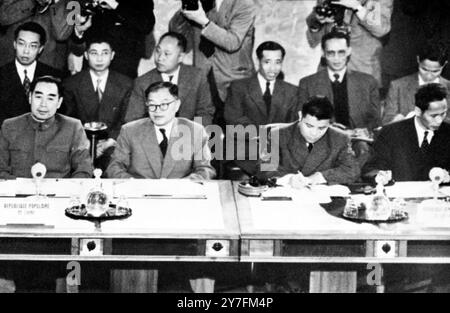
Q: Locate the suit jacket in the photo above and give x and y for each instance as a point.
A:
(13, 101)
(363, 96)
(401, 96)
(331, 155)
(193, 91)
(245, 104)
(126, 27)
(397, 149)
(232, 32)
(365, 37)
(54, 21)
(81, 100)
(138, 154)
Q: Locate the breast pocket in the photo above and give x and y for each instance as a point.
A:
(19, 157)
(57, 158)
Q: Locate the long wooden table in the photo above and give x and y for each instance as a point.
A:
(298, 232)
(225, 227)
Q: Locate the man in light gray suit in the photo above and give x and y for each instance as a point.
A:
(162, 146)
(221, 35)
(193, 88)
(400, 101)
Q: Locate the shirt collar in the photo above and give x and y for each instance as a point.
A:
(341, 74)
(175, 75)
(420, 130)
(421, 82)
(262, 83)
(218, 4)
(31, 69)
(38, 125)
(103, 78)
(168, 128)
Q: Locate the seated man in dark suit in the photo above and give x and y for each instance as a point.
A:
(150, 147)
(400, 98)
(99, 94)
(410, 148)
(354, 94)
(17, 76)
(310, 152)
(57, 141)
(261, 99)
(193, 86)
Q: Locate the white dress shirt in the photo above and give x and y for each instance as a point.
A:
(31, 69)
(420, 130)
(262, 83)
(175, 74)
(103, 79)
(421, 82)
(341, 74)
(167, 128)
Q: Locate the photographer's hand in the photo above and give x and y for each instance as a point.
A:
(354, 5)
(82, 23)
(198, 16)
(109, 4)
(323, 19)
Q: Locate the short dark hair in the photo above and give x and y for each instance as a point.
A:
(182, 42)
(318, 106)
(269, 46)
(173, 89)
(335, 35)
(47, 79)
(429, 93)
(433, 52)
(98, 38)
(34, 28)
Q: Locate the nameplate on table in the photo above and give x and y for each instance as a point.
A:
(25, 211)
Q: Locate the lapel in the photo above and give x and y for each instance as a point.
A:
(256, 95)
(323, 85)
(89, 101)
(184, 79)
(297, 146)
(318, 154)
(169, 162)
(278, 100)
(354, 98)
(410, 139)
(150, 145)
(110, 96)
(39, 70)
(15, 78)
(221, 17)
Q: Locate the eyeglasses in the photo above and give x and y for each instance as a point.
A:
(162, 106)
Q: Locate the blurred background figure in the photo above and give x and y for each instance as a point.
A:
(127, 23)
(50, 14)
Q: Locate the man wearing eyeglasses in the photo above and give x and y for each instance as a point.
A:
(400, 101)
(99, 94)
(162, 146)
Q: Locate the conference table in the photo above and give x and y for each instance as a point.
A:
(185, 221)
(302, 230)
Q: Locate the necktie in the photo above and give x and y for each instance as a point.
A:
(310, 147)
(170, 78)
(425, 143)
(267, 97)
(26, 83)
(206, 46)
(99, 90)
(164, 142)
(336, 79)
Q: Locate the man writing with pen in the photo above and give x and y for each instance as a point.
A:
(311, 152)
